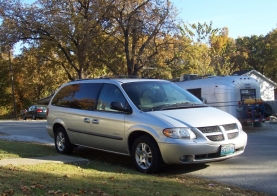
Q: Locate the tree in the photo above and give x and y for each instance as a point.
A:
(75, 31)
(5, 84)
(141, 28)
(36, 77)
(271, 56)
(201, 33)
(222, 53)
(197, 54)
(70, 28)
(253, 51)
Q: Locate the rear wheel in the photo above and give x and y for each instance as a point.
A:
(62, 142)
(34, 117)
(146, 155)
(267, 110)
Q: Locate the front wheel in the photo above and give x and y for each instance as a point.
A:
(62, 142)
(146, 155)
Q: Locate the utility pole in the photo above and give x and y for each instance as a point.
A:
(11, 73)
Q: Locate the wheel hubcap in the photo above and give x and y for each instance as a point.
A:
(143, 156)
(60, 140)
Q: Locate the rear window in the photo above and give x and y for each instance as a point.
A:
(42, 107)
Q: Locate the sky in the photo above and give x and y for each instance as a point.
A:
(241, 17)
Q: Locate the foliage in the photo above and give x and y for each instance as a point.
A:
(142, 29)
(222, 53)
(197, 56)
(5, 84)
(87, 34)
(35, 76)
(200, 33)
(75, 39)
(270, 58)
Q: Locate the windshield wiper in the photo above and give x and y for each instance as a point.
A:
(161, 107)
(176, 105)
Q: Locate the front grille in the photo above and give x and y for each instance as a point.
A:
(230, 127)
(209, 129)
(215, 133)
(231, 130)
(216, 137)
(232, 135)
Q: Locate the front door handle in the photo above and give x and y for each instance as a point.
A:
(95, 121)
(86, 120)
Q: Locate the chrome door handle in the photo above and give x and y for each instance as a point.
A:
(95, 121)
(86, 120)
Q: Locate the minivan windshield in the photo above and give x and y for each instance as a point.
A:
(160, 95)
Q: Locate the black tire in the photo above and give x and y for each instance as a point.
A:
(62, 142)
(24, 117)
(257, 124)
(34, 117)
(146, 155)
(268, 111)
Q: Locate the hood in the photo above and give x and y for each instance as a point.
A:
(195, 117)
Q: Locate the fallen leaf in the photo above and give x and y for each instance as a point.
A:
(25, 188)
(8, 192)
(57, 192)
(51, 192)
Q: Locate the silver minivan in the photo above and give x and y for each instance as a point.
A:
(154, 121)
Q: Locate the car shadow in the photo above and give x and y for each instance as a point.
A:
(183, 169)
(126, 161)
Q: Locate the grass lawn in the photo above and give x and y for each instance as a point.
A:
(105, 174)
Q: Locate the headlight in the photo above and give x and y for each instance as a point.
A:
(179, 133)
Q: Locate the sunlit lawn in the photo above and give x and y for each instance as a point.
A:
(94, 178)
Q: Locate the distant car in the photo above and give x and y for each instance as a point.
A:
(34, 112)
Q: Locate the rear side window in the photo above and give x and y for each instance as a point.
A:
(78, 96)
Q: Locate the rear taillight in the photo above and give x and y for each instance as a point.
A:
(39, 110)
(47, 111)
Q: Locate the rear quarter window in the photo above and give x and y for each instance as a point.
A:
(77, 96)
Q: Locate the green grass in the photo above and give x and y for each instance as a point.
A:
(105, 174)
(14, 149)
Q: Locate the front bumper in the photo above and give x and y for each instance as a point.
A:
(189, 151)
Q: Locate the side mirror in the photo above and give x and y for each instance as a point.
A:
(118, 106)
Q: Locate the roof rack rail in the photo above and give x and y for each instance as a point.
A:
(81, 79)
(118, 76)
(110, 77)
